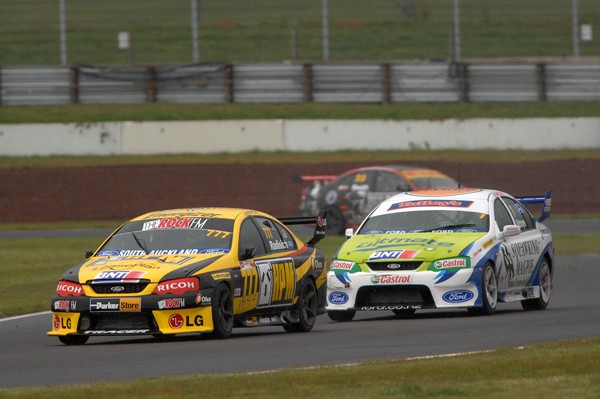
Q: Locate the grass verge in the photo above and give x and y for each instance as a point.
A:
(567, 369)
(281, 157)
(86, 113)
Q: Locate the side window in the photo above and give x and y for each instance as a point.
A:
(520, 213)
(271, 235)
(250, 238)
(502, 215)
(390, 182)
(286, 236)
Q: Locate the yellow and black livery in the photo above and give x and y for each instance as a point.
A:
(199, 270)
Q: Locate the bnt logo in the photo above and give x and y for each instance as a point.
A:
(404, 254)
(131, 276)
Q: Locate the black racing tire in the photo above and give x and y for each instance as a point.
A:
(489, 292)
(404, 313)
(336, 223)
(73, 339)
(306, 307)
(341, 315)
(541, 303)
(222, 312)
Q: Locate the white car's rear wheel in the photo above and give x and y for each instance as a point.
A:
(545, 287)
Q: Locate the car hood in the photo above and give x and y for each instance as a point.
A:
(408, 246)
(154, 268)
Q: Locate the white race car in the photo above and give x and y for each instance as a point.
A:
(444, 248)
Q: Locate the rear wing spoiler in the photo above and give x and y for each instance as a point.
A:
(546, 200)
(320, 222)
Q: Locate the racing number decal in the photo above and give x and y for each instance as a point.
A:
(250, 293)
(360, 178)
(276, 282)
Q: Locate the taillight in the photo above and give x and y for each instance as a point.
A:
(177, 286)
(68, 288)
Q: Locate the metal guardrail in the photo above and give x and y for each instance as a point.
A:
(297, 83)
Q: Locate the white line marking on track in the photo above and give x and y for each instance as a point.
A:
(25, 316)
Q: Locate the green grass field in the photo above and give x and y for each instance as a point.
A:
(560, 370)
(82, 113)
(262, 30)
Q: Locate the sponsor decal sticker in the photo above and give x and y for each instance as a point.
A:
(105, 305)
(171, 303)
(431, 203)
(457, 296)
(65, 305)
(391, 279)
(392, 307)
(338, 298)
(130, 276)
(67, 288)
(175, 223)
(486, 244)
(341, 265)
(176, 321)
(403, 254)
(220, 276)
(177, 286)
(131, 305)
(455, 262)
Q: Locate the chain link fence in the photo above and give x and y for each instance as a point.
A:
(162, 32)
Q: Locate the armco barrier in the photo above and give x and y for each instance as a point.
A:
(205, 137)
(423, 81)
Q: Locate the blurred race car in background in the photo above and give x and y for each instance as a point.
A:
(200, 270)
(444, 248)
(349, 197)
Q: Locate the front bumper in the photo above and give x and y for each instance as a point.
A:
(401, 291)
(131, 315)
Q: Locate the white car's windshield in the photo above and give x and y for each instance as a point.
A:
(426, 221)
(171, 236)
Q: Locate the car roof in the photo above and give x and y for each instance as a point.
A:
(468, 199)
(400, 168)
(210, 212)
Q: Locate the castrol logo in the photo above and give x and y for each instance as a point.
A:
(391, 279)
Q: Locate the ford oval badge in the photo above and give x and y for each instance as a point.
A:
(117, 288)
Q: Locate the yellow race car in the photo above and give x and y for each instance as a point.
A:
(201, 270)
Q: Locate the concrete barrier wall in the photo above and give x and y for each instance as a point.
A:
(204, 137)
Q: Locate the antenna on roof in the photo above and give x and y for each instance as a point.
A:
(459, 175)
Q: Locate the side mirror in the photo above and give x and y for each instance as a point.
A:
(510, 230)
(88, 254)
(349, 233)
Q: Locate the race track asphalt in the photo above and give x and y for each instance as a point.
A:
(30, 358)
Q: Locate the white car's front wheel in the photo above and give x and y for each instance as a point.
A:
(341, 315)
(489, 291)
